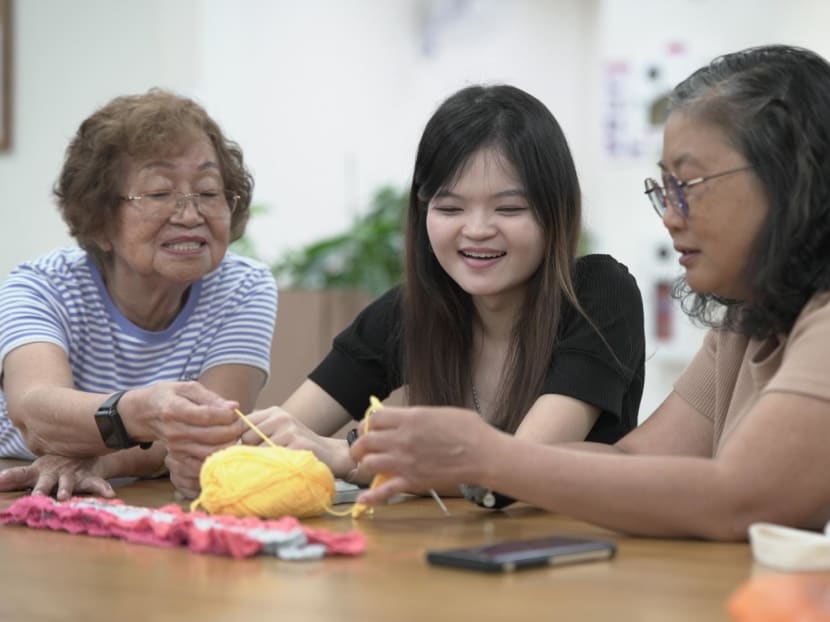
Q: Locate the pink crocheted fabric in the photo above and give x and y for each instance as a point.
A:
(170, 526)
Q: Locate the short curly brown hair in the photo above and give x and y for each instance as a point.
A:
(156, 123)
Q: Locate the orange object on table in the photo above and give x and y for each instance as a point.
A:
(799, 597)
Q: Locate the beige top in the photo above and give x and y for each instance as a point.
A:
(731, 372)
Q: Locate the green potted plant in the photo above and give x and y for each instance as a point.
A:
(323, 286)
(368, 256)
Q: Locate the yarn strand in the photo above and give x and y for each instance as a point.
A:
(253, 427)
(358, 509)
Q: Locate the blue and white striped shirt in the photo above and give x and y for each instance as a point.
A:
(61, 298)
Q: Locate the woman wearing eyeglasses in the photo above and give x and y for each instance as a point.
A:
(131, 351)
(743, 436)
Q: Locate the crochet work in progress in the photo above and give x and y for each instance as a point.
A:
(171, 527)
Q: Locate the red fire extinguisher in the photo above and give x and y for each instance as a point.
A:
(663, 299)
(664, 310)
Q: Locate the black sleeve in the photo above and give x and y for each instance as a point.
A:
(365, 357)
(602, 362)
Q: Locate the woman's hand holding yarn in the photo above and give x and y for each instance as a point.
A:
(286, 431)
(191, 420)
(181, 413)
(422, 448)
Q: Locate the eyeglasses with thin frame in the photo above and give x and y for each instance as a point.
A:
(163, 204)
(672, 192)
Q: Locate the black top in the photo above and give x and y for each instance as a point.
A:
(366, 357)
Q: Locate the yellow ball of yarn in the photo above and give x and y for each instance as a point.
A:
(268, 482)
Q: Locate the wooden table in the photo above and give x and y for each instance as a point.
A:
(56, 576)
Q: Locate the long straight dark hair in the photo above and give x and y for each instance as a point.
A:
(439, 316)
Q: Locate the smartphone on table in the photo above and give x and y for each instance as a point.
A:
(517, 554)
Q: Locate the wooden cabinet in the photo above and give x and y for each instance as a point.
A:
(307, 321)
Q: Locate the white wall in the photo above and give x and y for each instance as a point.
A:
(328, 98)
(641, 34)
(68, 59)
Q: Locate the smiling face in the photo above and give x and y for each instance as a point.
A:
(483, 231)
(147, 253)
(725, 213)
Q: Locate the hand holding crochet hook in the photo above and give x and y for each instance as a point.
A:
(395, 446)
(380, 478)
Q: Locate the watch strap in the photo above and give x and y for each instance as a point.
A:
(112, 428)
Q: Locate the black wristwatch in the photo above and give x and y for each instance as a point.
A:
(485, 497)
(112, 427)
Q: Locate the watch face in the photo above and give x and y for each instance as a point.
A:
(105, 426)
(109, 423)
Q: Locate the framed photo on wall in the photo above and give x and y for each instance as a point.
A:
(5, 74)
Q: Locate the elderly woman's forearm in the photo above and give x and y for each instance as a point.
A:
(58, 420)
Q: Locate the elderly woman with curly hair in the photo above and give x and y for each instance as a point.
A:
(127, 355)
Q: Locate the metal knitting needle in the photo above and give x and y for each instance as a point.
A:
(438, 501)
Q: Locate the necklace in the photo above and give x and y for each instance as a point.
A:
(476, 403)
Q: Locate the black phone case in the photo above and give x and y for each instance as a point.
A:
(518, 554)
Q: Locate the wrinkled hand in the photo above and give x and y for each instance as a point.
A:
(193, 421)
(184, 473)
(186, 414)
(66, 475)
(421, 449)
(286, 431)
